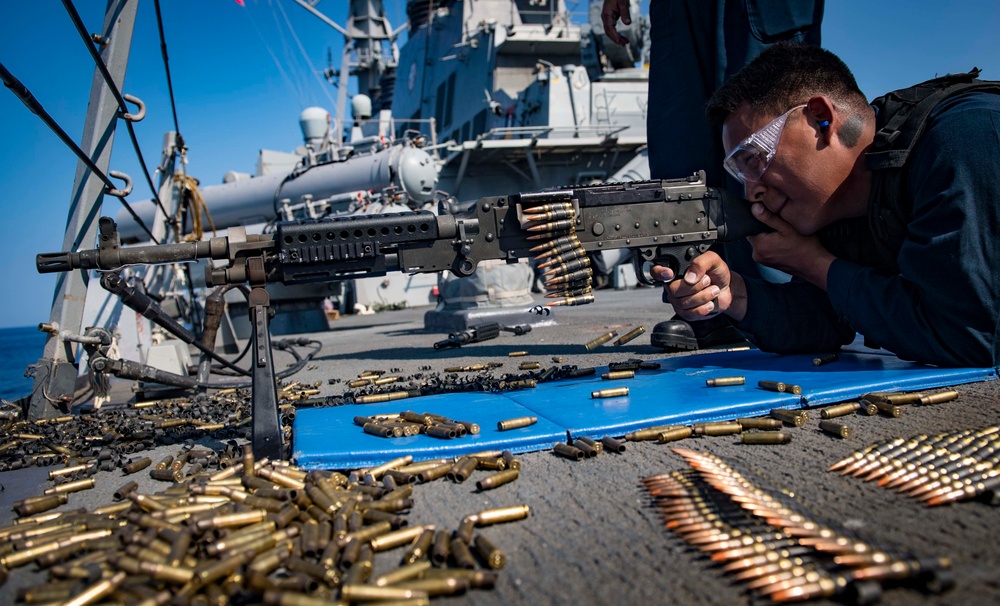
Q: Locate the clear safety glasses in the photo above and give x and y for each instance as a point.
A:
(749, 160)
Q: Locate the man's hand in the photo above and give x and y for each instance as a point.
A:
(787, 250)
(705, 289)
(613, 11)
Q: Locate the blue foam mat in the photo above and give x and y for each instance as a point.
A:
(674, 394)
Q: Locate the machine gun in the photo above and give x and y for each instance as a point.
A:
(667, 222)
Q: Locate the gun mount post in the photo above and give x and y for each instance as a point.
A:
(266, 430)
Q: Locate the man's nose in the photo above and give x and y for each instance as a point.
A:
(755, 191)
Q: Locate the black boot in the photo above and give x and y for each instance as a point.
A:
(677, 333)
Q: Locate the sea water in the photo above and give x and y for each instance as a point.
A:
(19, 347)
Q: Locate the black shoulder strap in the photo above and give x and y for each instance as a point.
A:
(901, 117)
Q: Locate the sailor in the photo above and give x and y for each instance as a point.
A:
(696, 46)
(885, 214)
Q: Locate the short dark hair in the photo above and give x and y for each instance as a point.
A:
(785, 75)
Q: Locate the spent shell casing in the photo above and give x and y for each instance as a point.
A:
(497, 479)
(839, 410)
(441, 548)
(630, 335)
(771, 385)
(868, 407)
(601, 340)
(517, 354)
(462, 469)
(358, 592)
(516, 423)
(614, 392)
(618, 374)
(78, 485)
(888, 409)
(791, 417)
(765, 437)
(835, 429)
(529, 366)
(764, 423)
(493, 557)
(821, 360)
(648, 433)
(939, 397)
(613, 445)
(136, 465)
(672, 435)
(598, 446)
(567, 451)
(721, 429)
(725, 381)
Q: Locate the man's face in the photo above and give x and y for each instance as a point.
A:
(801, 176)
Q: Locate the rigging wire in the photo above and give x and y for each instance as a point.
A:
(166, 67)
(36, 108)
(316, 73)
(82, 30)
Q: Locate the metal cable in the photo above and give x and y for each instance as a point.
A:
(36, 108)
(82, 30)
(166, 67)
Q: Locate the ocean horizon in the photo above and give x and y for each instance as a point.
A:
(20, 346)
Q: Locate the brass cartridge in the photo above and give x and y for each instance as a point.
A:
(613, 445)
(96, 592)
(765, 437)
(790, 417)
(835, 429)
(497, 479)
(32, 505)
(771, 385)
(601, 340)
(516, 354)
(618, 374)
(588, 450)
(839, 410)
(508, 457)
(409, 571)
(529, 366)
(420, 548)
(868, 407)
(614, 392)
(674, 434)
(377, 429)
(567, 451)
(939, 397)
(429, 475)
(516, 423)
(462, 469)
(763, 423)
(397, 538)
(357, 592)
(649, 433)
(598, 446)
(123, 491)
(889, 409)
(725, 381)
(438, 587)
(821, 360)
(721, 429)
(137, 465)
(494, 558)
(630, 335)
(461, 555)
(441, 548)
(84, 484)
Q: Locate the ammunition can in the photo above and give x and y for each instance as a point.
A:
(630, 335)
(601, 340)
(613, 445)
(497, 479)
(765, 437)
(835, 429)
(567, 451)
(618, 374)
(763, 423)
(771, 385)
(614, 392)
(821, 360)
(790, 417)
(725, 381)
(939, 397)
(672, 435)
(493, 557)
(840, 410)
(516, 423)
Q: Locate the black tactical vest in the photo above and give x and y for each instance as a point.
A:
(900, 120)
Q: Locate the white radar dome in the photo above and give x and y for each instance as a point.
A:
(314, 122)
(361, 107)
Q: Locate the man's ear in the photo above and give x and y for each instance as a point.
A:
(823, 116)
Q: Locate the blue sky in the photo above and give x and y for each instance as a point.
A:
(233, 98)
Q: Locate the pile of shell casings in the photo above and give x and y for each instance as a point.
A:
(779, 552)
(756, 430)
(102, 439)
(254, 532)
(936, 469)
(560, 255)
(409, 423)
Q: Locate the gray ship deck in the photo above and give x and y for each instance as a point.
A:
(592, 537)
